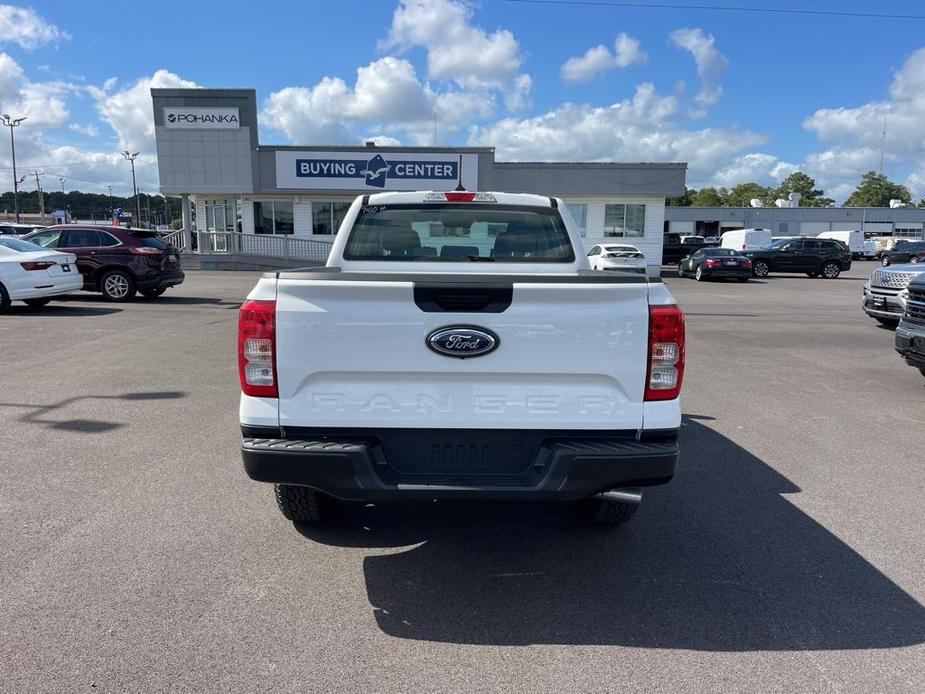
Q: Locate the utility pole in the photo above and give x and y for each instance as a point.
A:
(882, 144)
(38, 185)
(130, 157)
(11, 123)
(166, 212)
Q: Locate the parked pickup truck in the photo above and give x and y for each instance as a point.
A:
(457, 345)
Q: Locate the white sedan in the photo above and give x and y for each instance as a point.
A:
(617, 256)
(34, 274)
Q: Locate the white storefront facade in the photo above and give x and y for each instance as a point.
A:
(208, 154)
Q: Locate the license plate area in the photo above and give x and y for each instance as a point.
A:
(456, 457)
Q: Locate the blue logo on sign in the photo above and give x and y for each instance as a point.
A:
(377, 171)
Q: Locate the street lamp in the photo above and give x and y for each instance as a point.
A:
(11, 123)
(130, 156)
(112, 210)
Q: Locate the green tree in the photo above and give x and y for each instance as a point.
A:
(709, 197)
(742, 194)
(876, 190)
(799, 182)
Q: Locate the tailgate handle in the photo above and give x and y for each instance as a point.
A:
(447, 298)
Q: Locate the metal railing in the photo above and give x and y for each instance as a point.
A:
(262, 245)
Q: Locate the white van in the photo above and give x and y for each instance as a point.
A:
(853, 239)
(746, 239)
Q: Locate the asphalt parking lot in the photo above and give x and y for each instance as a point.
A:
(787, 555)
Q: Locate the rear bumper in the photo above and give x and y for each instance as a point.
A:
(48, 287)
(165, 279)
(727, 272)
(563, 469)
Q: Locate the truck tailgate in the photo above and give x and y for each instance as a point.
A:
(352, 352)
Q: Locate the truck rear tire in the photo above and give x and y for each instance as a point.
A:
(606, 511)
(304, 504)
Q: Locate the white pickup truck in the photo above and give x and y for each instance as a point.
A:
(457, 345)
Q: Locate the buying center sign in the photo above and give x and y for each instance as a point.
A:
(201, 118)
(375, 171)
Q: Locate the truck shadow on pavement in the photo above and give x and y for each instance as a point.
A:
(717, 561)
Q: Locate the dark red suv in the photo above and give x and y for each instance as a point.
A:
(116, 261)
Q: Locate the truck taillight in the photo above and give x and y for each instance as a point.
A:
(666, 353)
(257, 348)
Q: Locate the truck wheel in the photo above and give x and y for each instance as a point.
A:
(760, 269)
(831, 270)
(607, 512)
(304, 504)
(117, 285)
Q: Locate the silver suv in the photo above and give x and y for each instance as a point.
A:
(885, 293)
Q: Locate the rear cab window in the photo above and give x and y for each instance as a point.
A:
(459, 233)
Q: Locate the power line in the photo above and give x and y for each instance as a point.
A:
(722, 8)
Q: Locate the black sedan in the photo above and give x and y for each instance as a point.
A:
(707, 263)
(904, 252)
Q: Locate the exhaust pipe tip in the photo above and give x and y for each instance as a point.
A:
(626, 495)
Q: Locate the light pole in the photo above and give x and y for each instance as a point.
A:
(112, 210)
(11, 123)
(130, 156)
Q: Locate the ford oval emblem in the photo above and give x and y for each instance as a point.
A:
(462, 341)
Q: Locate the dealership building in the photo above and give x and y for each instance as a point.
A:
(209, 155)
(902, 222)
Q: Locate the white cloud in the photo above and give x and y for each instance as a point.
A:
(90, 130)
(852, 136)
(711, 64)
(130, 111)
(42, 103)
(643, 128)
(385, 90)
(382, 140)
(600, 59)
(23, 26)
(756, 167)
(456, 49)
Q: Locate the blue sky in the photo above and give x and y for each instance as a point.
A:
(739, 96)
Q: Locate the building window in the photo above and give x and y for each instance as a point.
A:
(579, 212)
(327, 216)
(273, 217)
(625, 220)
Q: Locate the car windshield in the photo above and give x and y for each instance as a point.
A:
(19, 245)
(459, 233)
